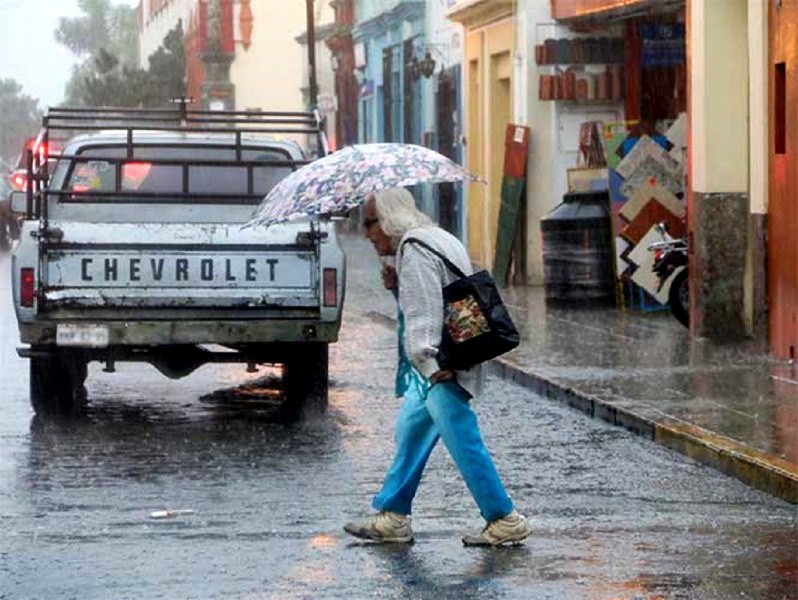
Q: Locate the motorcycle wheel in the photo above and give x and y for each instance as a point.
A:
(679, 298)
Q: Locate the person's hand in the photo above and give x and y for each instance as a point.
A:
(389, 277)
(442, 375)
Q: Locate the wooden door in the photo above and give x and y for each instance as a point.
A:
(387, 95)
(783, 192)
(500, 116)
(475, 160)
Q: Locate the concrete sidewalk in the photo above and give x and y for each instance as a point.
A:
(725, 405)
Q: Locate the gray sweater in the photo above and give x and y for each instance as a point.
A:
(422, 276)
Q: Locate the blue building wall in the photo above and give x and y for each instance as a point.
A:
(444, 109)
(382, 27)
(388, 25)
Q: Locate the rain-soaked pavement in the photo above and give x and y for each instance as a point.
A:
(615, 516)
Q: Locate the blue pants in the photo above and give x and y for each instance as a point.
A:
(445, 413)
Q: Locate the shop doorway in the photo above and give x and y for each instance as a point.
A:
(500, 116)
(446, 103)
(783, 186)
(392, 91)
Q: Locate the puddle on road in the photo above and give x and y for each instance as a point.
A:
(263, 397)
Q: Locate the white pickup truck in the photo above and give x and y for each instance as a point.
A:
(132, 249)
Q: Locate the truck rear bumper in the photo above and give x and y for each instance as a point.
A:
(160, 333)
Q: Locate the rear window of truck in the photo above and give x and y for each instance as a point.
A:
(102, 172)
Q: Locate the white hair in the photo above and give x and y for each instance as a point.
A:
(397, 212)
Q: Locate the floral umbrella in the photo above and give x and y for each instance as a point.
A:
(342, 180)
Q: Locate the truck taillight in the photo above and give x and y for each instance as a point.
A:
(27, 287)
(19, 180)
(330, 287)
(41, 149)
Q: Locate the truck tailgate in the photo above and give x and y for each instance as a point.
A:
(178, 266)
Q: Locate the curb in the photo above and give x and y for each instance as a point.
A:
(755, 468)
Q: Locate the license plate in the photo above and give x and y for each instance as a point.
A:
(83, 336)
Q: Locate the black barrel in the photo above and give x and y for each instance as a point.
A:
(578, 251)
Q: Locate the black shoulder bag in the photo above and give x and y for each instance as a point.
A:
(476, 324)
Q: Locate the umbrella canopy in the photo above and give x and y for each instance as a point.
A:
(342, 180)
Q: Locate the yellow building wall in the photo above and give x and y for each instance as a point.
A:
(758, 104)
(269, 75)
(271, 72)
(719, 96)
(475, 156)
(489, 108)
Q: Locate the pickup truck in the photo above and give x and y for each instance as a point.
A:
(132, 249)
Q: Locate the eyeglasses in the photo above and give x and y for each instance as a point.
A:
(367, 223)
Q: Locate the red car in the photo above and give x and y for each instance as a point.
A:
(16, 181)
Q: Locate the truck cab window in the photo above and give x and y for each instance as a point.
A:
(147, 177)
(93, 176)
(143, 173)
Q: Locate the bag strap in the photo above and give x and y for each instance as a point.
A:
(449, 264)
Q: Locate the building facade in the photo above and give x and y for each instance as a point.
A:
(326, 100)
(387, 36)
(773, 197)
(490, 104)
(342, 61)
(442, 113)
(240, 54)
(453, 74)
(741, 171)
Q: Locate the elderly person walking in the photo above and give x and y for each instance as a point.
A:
(436, 401)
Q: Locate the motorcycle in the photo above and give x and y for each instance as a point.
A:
(670, 255)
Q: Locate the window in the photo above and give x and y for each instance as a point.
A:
(780, 109)
(93, 176)
(147, 177)
(143, 176)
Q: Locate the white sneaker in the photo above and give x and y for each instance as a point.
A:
(385, 527)
(511, 529)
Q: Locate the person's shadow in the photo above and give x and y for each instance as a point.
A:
(482, 575)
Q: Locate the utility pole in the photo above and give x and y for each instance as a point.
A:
(313, 89)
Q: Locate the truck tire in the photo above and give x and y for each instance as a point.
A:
(305, 381)
(57, 383)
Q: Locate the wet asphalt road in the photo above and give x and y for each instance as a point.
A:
(615, 516)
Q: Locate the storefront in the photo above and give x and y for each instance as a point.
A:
(614, 77)
(696, 76)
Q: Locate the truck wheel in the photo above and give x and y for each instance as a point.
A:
(305, 379)
(57, 383)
